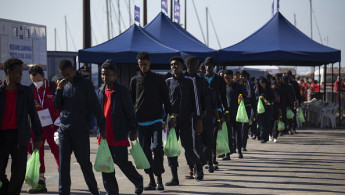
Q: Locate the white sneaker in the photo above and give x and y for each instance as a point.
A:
(275, 140)
(270, 138)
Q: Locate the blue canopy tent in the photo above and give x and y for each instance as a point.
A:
(125, 47)
(123, 50)
(278, 42)
(174, 36)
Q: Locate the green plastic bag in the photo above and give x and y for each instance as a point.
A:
(139, 156)
(289, 114)
(222, 146)
(242, 116)
(225, 132)
(300, 116)
(172, 146)
(33, 169)
(104, 161)
(261, 107)
(281, 125)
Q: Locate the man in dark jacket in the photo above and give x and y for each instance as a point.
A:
(298, 98)
(76, 98)
(235, 92)
(150, 92)
(218, 85)
(185, 102)
(192, 64)
(120, 122)
(16, 104)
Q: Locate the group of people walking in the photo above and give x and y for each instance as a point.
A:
(195, 102)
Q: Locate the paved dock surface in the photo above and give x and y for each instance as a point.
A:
(310, 162)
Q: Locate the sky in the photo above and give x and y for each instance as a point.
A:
(234, 20)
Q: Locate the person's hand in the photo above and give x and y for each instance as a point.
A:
(198, 129)
(219, 125)
(38, 144)
(133, 136)
(172, 123)
(103, 134)
(62, 83)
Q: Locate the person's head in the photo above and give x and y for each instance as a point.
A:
(289, 74)
(263, 82)
(269, 77)
(221, 73)
(176, 65)
(285, 79)
(302, 81)
(109, 72)
(237, 76)
(279, 78)
(67, 70)
(192, 64)
(144, 62)
(228, 76)
(209, 64)
(13, 69)
(36, 75)
(202, 68)
(244, 75)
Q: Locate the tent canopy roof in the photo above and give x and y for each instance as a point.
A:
(125, 47)
(278, 42)
(174, 36)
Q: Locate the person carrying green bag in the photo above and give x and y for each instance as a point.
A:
(16, 104)
(235, 93)
(120, 123)
(33, 169)
(172, 146)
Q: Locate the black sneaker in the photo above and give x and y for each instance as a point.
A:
(139, 188)
(221, 156)
(41, 188)
(150, 186)
(240, 155)
(200, 174)
(227, 157)
(244, 149)
(210, 168)
(172, 183)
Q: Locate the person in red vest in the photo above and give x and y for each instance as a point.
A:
(43, 92)
(16, 104)
(338, 85)
(314, 86)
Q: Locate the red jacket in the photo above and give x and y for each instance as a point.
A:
(48, 90)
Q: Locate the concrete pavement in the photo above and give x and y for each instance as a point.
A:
(310, 162)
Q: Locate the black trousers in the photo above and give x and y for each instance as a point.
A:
(274, 130)
(234, 134)
(150, 138)
(120, 157)
(77, 141)
(8, 146)
(204, 141)
(245, 128)
(264, 121)
(184, 132)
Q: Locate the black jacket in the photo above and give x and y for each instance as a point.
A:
(285, 99)
(232, 93)
(25, 108)
(201, 85)
(149, 92)
(268, 94)
(122, 111)
(183, 97)
(218, 85)
(210, 104)
(77, 101)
